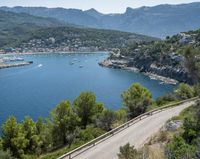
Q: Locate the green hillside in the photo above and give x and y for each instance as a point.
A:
(19, 31)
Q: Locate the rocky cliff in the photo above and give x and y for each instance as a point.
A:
(163, 60)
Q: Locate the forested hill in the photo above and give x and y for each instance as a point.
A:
(164, 58)
(157, 21)
(21, 32)
(14, 27)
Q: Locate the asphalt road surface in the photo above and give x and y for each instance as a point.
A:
(137, 134)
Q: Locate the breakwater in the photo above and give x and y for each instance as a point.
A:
(2, 66)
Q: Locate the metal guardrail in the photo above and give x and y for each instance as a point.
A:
(116, 130)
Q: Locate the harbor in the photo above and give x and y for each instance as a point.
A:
(12, 61)
(3, 65)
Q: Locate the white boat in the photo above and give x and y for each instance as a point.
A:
(81, 66)
(40, 65)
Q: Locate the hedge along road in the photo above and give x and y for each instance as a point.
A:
(137, 134)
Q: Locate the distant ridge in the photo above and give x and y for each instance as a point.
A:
(157, 21)
(22, 32)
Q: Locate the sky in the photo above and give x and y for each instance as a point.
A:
(104, 6)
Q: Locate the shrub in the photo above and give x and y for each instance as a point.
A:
(179, 149)
(5, 155)
(165, 99)
(184, 91)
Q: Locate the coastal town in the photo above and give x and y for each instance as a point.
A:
(50, 45)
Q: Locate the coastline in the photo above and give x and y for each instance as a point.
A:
(38, 53)
(152, 76)
(106, 63)
(3, 65)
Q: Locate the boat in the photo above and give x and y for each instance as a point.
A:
(40, 65)
(18, 59)
(81, 66)
(71, 63)
(12, 59)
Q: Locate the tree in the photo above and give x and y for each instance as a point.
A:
(99, 108)
(121, 116)
(106, 120)
(31, 135)
(85, 107)
(136, 99)
(64, 122)
(128, 152)
(44, 131)
(13, 137)
(184, 91)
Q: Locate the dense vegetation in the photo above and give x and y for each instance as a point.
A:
(15, 27)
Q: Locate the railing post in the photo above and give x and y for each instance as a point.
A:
(112, 133)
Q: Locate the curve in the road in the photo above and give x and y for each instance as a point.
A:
(136, 135)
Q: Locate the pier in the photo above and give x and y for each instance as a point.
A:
(2, 66)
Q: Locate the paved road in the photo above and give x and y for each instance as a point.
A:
(136, 135)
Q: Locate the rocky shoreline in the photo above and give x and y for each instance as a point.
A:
(39, 53)
(2, 66)
(125, 64)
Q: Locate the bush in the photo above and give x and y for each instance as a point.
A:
(5, 155)
(179, 149)
(165, 99)
(128, 152)
(89, 133)
(184, 91)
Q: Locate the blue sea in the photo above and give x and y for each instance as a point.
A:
(36, 89)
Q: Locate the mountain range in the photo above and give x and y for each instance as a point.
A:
(158, 21)
(36, 34)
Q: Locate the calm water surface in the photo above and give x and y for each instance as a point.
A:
(35, 89)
